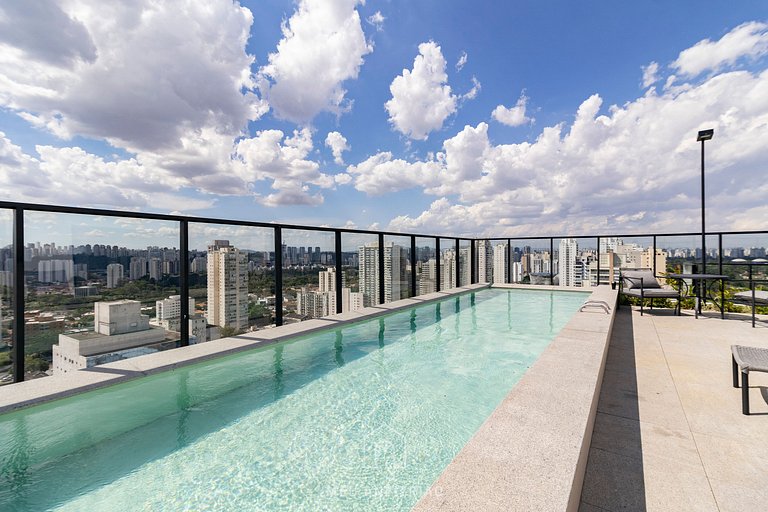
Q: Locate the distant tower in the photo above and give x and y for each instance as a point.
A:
(227, 286)
(566, 262)
(114, 275)
(485, 262)
(500, 264)
(395, 282)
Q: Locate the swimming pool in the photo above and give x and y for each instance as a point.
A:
(364, 417)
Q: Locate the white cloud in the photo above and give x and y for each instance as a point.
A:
(513, 116)
(338, 144)
(748, 40)
(322, 46)
(633, 168)
(421, 98)
(650, 74)
(462, 61)
(472, 93)
(72, 176)
(282, 162)
(141, 76)
(376, 20)
(381, 174)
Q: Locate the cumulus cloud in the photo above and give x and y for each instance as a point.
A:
(381, 174)
(323, 45)
(73, 176)
(338, 144)
(376, 20)
(282, 162)
(513, 116)
(595, 176)
(169, 82)
(650, 74)
(421, 97)
(749, 40)
(141, 76)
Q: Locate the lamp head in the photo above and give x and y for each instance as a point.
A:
(705, 135)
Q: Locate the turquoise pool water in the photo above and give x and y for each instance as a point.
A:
(365, 417)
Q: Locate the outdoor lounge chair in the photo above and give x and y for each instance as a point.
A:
(642, 284)
(747, 359)
(760, 298)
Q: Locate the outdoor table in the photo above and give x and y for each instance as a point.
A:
(702, 284)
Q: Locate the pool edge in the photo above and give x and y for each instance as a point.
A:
(531, 452)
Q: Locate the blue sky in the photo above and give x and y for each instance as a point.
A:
(456, 117)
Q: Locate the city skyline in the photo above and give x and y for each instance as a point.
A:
(506, 118)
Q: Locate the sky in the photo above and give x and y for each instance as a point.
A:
(504, 119)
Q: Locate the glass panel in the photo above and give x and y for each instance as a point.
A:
(397, 267)
(575, 262)
(426, 266)
(531, 261)
(360, 278)
(683, 253)
(92, 287)
(306, 254)
(231, 282)
(628, 253)
(464, 262)
(448, 261)
(746, 264)
(6, 296)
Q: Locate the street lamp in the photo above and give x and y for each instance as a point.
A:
(703, 135)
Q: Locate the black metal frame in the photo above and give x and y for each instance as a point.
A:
(19, 209)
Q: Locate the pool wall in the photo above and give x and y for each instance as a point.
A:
(531, 453)
(37, 391)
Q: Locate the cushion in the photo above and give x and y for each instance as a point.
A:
(631, 279)
(761, 297)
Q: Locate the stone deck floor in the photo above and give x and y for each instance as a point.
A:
(669, 432)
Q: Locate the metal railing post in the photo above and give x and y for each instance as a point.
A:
(551, 261)
(338, 278)
(18, 295)
(458, 263)
(278, 276)
(413, 267)
(510, 266)
(381, 268)
(437, 264)
(184, 282)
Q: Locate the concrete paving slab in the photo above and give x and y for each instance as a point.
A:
(668, 379)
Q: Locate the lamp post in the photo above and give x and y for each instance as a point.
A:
(703, 135)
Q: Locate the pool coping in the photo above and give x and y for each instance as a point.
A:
(37, 391)
(531, 452)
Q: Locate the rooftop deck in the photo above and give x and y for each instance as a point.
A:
(669, 432)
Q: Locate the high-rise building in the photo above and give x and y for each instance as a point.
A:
(227, 286)
(395, 276)
(114, 275)
(427, 276)
(55, 271)
(500, 264)
(168, 315)
(155, 268)
(486, 262)
(567, 262)
(138, 268)
(448, 269)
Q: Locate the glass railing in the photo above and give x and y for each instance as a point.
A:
(100, 286)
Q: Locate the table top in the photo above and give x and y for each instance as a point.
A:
(698, 276)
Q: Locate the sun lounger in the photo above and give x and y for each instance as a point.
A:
(642, 284)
